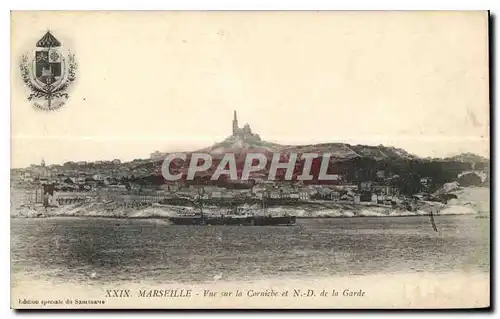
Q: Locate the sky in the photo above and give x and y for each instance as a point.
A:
(170, 81)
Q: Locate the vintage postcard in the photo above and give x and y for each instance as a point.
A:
(213, 160)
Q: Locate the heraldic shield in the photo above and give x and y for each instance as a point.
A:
(48, 66)
(50, 73)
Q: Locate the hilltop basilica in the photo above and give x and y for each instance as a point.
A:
(244, 133)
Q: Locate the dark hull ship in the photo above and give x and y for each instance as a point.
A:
(237, 218)
(234, 220)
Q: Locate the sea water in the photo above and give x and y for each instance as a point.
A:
(105, 250)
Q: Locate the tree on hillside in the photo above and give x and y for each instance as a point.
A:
(470, 179)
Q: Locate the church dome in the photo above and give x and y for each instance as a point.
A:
(247, 129)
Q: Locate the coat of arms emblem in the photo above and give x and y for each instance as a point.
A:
(48, 73)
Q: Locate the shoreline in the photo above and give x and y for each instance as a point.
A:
(472, 201)
(167, 218)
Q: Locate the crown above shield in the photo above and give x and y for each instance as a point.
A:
(48, 74)
(48, 41)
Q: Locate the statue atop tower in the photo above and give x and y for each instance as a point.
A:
(235, 123)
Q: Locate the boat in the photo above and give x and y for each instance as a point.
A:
(236, 217)
(274, 220)
(201, 219)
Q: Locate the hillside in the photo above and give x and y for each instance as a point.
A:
(468, 158)
(339, 151)
(238, 145)
(349, 164)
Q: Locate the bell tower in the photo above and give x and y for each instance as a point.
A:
(235, 123)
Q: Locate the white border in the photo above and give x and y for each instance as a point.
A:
(493, 5)
(255, 5)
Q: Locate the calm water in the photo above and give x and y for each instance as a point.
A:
(71, 249)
